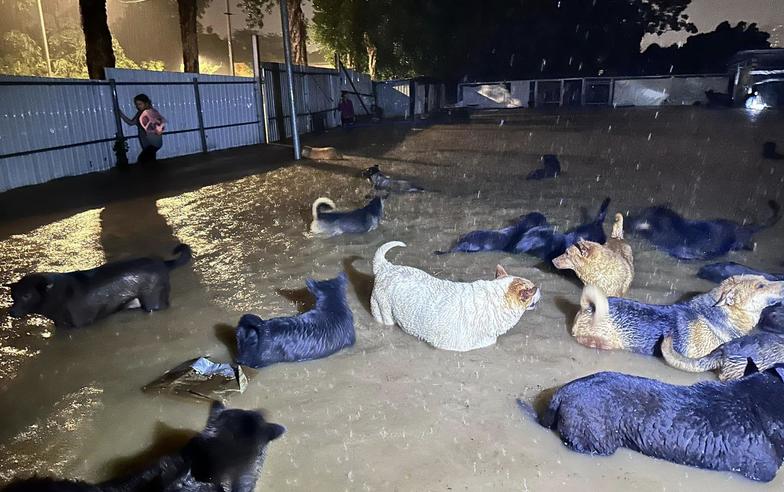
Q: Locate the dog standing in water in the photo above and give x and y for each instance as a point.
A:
(80, 298)
(333, 223)
(318, 333)
(227, 456)
(448, 315)
(697, 326)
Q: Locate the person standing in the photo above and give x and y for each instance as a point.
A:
(346, 108)
(151, 126)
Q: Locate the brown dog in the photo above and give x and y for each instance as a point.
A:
(321, 153)
(610, 266)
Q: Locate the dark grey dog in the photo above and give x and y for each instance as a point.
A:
(79, 298)
(382, 182)
(226, 456)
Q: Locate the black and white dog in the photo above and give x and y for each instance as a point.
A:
(333, 223)
(226, 456)
(382, 182)
(76, 299)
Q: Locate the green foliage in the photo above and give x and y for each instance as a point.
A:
(255, 10)
(494, 38)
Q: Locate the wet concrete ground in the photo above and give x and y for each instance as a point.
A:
(391, 413)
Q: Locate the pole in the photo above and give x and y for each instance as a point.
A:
(120, 149)
(46, 40)
(228, 36)
(258, 71)
(200, 115)
(284, 20)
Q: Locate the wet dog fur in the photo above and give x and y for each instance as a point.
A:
(76, 299)
(227, 456)
(318, 333)
(333, 223)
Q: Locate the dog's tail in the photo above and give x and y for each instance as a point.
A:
(617, 229)
(184, 256)
(679, 361)
(594, 299)
(380, 260)
(773, 220)
(603, 211)
(319, 202)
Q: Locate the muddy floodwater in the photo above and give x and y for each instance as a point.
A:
(390, 413)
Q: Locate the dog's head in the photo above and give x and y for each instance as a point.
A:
(369, 172)
(745, 296)
(334, 286)
(29, 294)
(578, 255)
(231, 447)
(520, 293)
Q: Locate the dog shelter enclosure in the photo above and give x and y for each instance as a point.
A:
(50, 128)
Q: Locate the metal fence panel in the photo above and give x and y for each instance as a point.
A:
(392, 96)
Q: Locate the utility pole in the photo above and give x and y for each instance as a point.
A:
(46, 40)
(284, 19)
(228, 36)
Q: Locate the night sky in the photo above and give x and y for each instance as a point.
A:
(706, 14)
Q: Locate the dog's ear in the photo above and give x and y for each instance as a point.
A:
(311, 285)
(274, 431)
(726, 298)
(779, 371)
(500, 272)
(751, 367)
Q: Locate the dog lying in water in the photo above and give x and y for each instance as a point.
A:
(730, 359)
(697, 326)
(609, 266)
(546, 243)
(318, 333)
(382, 182)
(80, 298)
(772, 318)
(448, 315)
(551, 168)
(333, 223)
(728, 426)
(227, 456)
(696, 239)
(533, 235)
(496, 240)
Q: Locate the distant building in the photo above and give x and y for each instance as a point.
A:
(758, 73)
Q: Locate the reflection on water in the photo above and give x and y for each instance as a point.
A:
(62, 246)
(49, 445)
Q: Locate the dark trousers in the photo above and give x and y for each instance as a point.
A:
(147, 155)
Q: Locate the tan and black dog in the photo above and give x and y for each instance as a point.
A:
(696, 326)
(608, 266)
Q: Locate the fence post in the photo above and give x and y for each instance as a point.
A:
(612, 92)
(582, 93)
(261, 101)
(199, 115)
(120, 147)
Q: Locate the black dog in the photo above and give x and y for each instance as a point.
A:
(225, 457)
(79, 298)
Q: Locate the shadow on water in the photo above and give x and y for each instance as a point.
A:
(167, 441)
(301, 297)
(225, 333)
(568, 309)
(362, 282)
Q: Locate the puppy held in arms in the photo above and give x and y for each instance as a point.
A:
(80, 298)
(227, 456)
(448, 315)
(608, 266)
(696, 326)
(329, 222)
(320, 332)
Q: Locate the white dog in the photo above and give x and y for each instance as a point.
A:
(448, 315)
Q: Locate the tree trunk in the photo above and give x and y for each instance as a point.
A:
(97, 38)
(298, 33)
(371, 54)
(190, 39)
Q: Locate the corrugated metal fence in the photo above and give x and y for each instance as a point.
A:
(50, 128)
